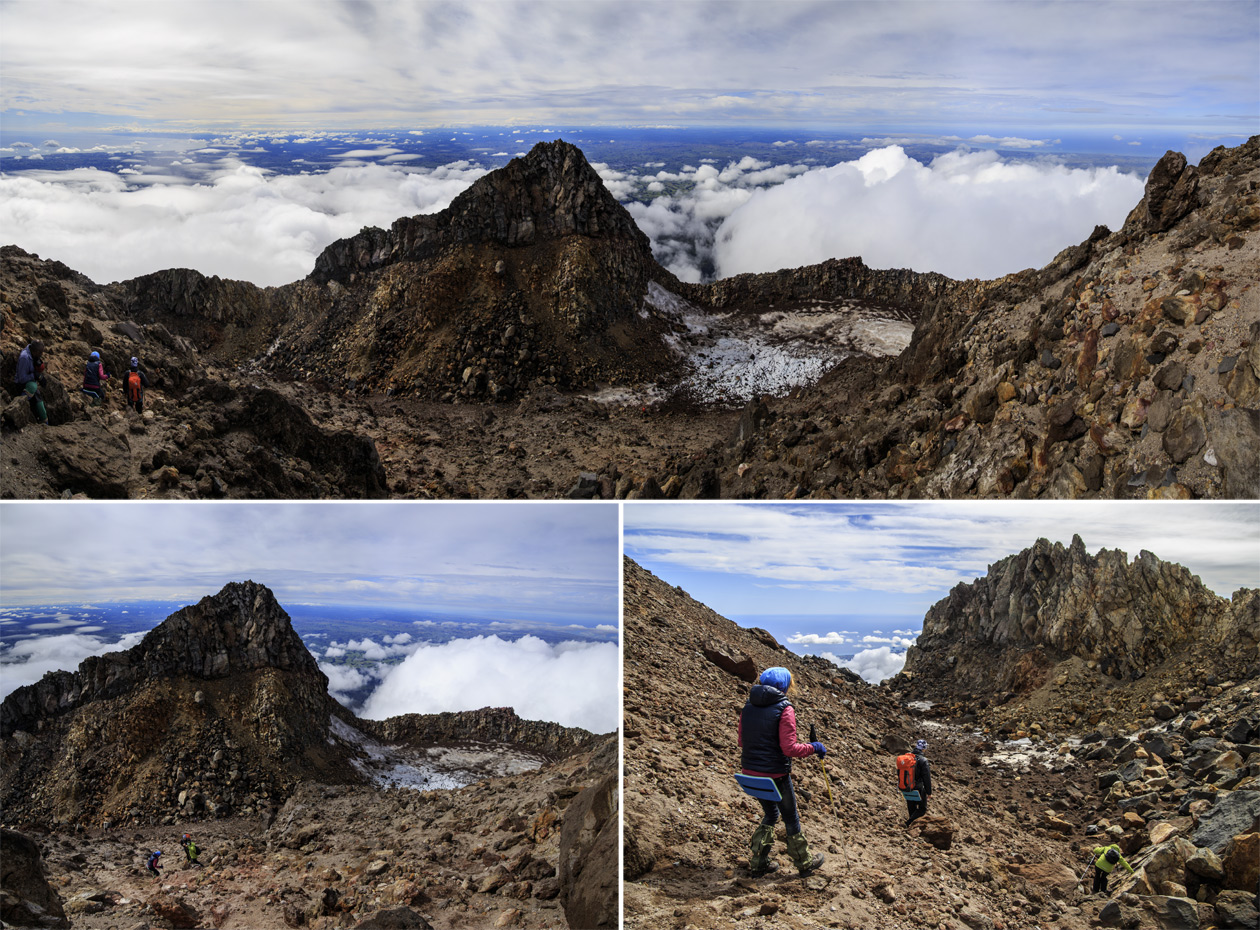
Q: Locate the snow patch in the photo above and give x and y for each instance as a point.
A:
(731, 358)
(434, 768)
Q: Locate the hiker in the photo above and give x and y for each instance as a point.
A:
(767, 736)
(1105, 859)
(30, 376)
(914, 776)
(153, 865)
(94, 378)
(133, 386)
(191, 852)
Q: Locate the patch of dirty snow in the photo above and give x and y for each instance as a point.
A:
(920, 706)
(731, 358)
(1023, 754)
(434, 768)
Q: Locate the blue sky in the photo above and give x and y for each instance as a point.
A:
(497, 557)
(1017, 69)
(802, 568)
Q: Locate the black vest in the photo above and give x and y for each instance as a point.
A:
(759, 728)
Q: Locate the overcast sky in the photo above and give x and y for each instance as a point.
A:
(1000, 67)
(492, 556)
(898, 559)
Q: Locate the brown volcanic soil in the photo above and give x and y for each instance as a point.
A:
(486, 855)
(687, 824)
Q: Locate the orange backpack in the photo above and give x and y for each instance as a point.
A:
(133, 385)
(905, 771)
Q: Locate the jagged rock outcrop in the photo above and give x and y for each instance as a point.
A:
(489, 724)
(1003, 632)
(219, 709)
(26, 898)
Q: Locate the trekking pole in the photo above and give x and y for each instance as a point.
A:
(813, 738)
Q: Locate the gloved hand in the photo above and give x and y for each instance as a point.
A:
(819, 749)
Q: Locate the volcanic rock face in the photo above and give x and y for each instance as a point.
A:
(1050, 602)
(220, 708)
(489, 724)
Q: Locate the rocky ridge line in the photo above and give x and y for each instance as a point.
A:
(1050, 602)
(489, 724)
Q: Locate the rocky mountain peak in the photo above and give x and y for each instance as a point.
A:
(242, 628)
(549, 194)
(1050, 603)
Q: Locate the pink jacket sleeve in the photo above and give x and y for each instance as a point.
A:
(787, 736)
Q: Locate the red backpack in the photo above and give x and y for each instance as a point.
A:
(905, 771)
(133, 385)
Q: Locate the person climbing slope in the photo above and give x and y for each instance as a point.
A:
(767, 736)
(1106, 858)
(94, 378)
(153, 865)
(133, 386)
(30, 377)
(191, 852)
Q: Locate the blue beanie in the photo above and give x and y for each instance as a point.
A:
(777, 677)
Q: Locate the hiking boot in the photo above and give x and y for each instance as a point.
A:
(798, 850)
(759, 863)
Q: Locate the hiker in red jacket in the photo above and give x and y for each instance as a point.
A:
(767, 735)
(133, 386)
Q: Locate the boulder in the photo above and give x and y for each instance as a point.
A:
(938, 831)
(730, 660)
(1169, 913)
(1054, 876)
(1235, 813)
(1241, 862)
(1206, 864)
(26, 898)
(1236, 910)
(589, 857)
(394, 918)
(175, 911)
(87, 456)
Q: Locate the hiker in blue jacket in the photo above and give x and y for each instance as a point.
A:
(30, 376)
(767, 736)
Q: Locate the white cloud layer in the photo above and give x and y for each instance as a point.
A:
(27, 661)
(873, 665)
(966, 215)
(238, 222)
(574, 684)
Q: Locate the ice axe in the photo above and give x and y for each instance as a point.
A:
(813, 738)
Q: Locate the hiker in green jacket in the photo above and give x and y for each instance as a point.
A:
(1106, 858)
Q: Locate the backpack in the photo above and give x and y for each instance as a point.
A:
(905, 771)
(133, 385)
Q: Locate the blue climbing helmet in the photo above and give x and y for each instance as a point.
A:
(95, 356)
(920, 745)
(135, 362)
(777, 677)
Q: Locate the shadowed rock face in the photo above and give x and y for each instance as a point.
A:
(489, 724)
(1052, 602)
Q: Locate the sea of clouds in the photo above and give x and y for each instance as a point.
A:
(883, 657)
(571, 683)
(966, 214)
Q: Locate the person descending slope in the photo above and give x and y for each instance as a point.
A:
(1106, 858)
(914, 780)
(767, 736)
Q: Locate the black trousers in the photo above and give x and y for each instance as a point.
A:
(787, 807)
(1100, 880)
(916, 809)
